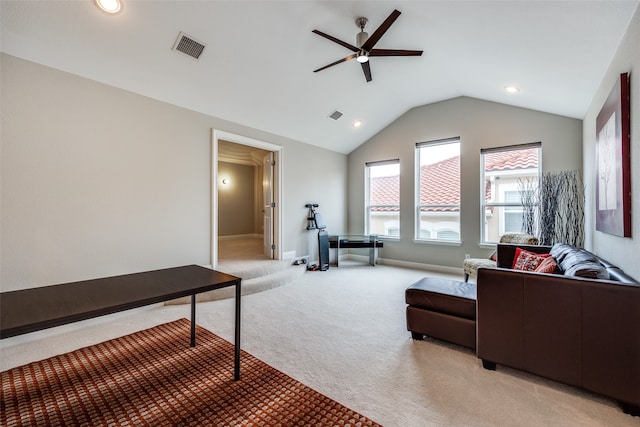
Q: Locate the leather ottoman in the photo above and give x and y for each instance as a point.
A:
(443, 309)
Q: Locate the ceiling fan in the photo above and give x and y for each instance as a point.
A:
(364, 49)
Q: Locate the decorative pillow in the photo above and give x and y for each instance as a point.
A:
(528, 261)
(519, 251)
(494, 256)
(548, 265)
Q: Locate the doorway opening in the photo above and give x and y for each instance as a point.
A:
(246, 177)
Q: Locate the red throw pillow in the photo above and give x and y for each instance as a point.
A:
(548, 265)
(529, 261)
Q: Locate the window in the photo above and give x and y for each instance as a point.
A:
(382, 203)
(509, 177)
(438, 190)
(512, 214)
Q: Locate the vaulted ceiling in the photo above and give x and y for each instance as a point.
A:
(257, 66)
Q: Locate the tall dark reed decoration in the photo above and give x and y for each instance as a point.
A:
(528, 188)
(561, 208)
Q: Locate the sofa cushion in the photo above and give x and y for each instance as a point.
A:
(615, 273)
(528, 261)
(560, 251)
(443, 296)
(592, 270)
(578, 262)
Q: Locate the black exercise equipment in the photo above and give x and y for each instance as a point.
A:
(316, 223)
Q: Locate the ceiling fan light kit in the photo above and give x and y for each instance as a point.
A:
(364, 45)
(362, 57)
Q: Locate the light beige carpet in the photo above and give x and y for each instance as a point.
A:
(243, 257)
(342, 332)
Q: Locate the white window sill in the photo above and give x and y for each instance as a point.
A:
(437, 242)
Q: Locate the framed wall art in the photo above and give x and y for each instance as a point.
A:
(613, 178)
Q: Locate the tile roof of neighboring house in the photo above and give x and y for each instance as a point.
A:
(385, 191)
(440, 185)
(441, 180)
(511, 160)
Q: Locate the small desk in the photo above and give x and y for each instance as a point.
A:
(34, 309)
(356, 241)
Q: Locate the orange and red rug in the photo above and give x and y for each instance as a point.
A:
(154, 378)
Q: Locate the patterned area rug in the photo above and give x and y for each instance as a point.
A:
(154, 378)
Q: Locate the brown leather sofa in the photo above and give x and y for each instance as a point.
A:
(581, 331)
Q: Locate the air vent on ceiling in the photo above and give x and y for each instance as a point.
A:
(335, 115)
(187, 45)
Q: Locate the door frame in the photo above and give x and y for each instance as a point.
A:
(217, 134)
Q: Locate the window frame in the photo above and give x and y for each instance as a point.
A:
(484, 205)
(418, 206)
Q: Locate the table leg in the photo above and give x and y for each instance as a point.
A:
(236, 370)
(193, 320)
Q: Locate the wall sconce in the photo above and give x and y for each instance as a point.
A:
(225, 181)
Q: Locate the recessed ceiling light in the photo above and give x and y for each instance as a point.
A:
(109, 6)
(357, 124)
(511, 89)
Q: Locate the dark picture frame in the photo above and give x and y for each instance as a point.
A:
(613, 162)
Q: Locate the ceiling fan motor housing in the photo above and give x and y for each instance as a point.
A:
(362, 36)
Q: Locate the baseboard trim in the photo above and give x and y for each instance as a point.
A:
(241, 236)
(421, 266)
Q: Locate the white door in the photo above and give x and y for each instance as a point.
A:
(268, 205)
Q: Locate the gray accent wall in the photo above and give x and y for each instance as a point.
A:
(479, 124)
(98, 181)
(621, 251)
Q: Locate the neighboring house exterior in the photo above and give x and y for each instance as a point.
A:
(384, 217)
(507, 176)
(503, 177)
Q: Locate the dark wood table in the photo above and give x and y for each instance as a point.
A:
(34, 309)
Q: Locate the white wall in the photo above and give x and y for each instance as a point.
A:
(98, 181)
(479, 124)
(619, 250)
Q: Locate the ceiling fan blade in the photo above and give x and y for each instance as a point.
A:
(351, 47)
(394, 52)
(337, 62)
(371, 41)
(367, 70)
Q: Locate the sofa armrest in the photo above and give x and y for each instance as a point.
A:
(530, 321)
(611, 342)
(507, 251)
(499, 316)
(576, 330)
